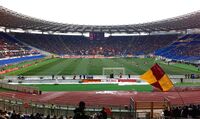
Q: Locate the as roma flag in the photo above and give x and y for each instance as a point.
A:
(157, 78)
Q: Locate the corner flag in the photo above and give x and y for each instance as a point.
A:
(157, 78)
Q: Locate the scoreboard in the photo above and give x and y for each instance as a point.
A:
(96, 35)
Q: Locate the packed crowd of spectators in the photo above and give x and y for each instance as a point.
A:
(163, 45)
(14, 115)
(11, 48)
(79, 113)
(186, 112)
(191, 111)
(110, 46)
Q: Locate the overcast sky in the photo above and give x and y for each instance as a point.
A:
(102, 12)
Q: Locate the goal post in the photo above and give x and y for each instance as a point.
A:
(113, 70)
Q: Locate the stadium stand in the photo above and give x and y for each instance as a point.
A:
(13, 46)
(186, 48)
(13, 51)
(111, 46)
(19, 59)
(189, 111)
(10, 47)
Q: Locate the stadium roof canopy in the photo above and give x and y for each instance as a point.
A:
(13, 20)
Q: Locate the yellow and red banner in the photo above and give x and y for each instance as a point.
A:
(157, 78)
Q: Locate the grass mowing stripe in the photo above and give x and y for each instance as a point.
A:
(178, 68)
(23, 70)
(186, 67)
(173, 70)
(132, 69)
(73, 66)
(70, 66)
(54, 69)
(82, 67)
(19, 64)
(110, 63)
(64, 68)
(41, 68)
(95, 67)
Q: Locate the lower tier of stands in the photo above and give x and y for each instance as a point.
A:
(19, 59)
(12, 47)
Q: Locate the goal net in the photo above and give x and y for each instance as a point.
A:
(113, 70)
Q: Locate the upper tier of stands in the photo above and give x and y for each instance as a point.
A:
(111, 46)
(185, 48)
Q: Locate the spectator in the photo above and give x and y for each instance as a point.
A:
(79, 113)
(48, 117)
(103, 114)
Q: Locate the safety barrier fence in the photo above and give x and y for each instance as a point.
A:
(31, 107)
(20, 88)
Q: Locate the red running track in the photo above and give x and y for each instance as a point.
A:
(105, 98)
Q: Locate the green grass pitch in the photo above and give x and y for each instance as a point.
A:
(102, 87)
(93, 87)
(133, 66)
(98, 87)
